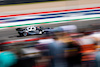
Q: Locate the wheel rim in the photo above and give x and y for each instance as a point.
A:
(25, 34)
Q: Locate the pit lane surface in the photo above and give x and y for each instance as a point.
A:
(11, 34)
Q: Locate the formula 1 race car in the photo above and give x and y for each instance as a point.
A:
(32, 30)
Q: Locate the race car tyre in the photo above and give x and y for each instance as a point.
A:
(20, 34)
(25, 34)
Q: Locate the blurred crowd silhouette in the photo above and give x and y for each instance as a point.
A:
(63, 49)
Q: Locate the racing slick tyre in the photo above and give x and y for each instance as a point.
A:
(20, 34)
(25, 34)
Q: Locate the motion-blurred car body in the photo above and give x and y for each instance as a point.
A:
(32, 30)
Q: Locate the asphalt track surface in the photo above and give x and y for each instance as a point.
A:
(11, 34)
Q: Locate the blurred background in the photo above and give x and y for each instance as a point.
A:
(6, 2)
(49, 33)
